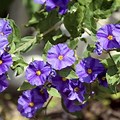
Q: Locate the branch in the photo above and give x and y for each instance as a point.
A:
(57, 25)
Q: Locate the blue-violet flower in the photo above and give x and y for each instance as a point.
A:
(37, 72)
(60, 56)
(88, 69)
(31, 101)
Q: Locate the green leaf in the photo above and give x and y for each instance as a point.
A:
(48, 45)
(54, 92)
(31, 6)
(104, 8)
(18, 64)
(112, 70)
(43, 21)
(15, 36)
(25, 86)
(68, 73)
(89, 21)
(85, 2)
(114, 79)
(73, 43)
(107, 62)
(116, 96)
(103, 92)
(26, 44)
(73, 21)
(12, 47)
(19, 70)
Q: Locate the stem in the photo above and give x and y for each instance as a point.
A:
(57, 25)
(116, 68)
(112, 60)
(90, 89)
(87, 31)
(47, 105)
(23, 46)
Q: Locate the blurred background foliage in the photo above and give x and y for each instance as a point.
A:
(4, 7)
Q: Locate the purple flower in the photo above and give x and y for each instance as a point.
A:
(5, 61)
(5, 28)
(60, 56)
(102, 79)
(52, 4)
(31, 101)
(117, 26)
(98, 50)
(60, 83)
(37, 72)
(109, 37)
(40, 1)
(75, 91)
(3, 42)
(3, 82)
(62, 4)
(73, 105)
(88, 69)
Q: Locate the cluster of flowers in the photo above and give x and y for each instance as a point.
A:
(40, 73)
(108, 38)
(72, 91)
(52, 4)
(5, 57)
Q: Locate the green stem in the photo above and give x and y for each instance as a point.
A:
(116, 68)
(87, 31)
(23, 46)
(112, 60)
(56, 26)
(47, 105)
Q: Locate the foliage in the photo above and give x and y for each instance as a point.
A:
(82, 16)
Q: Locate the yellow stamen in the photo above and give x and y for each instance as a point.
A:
(31, 104)
(1, 62)
(89, 71)
(76, 89)
(41, 91)
(60, 57)
(38, 72)
(64, 79)
(103, 78)
(110, 37)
